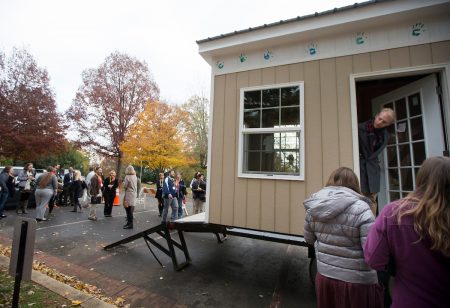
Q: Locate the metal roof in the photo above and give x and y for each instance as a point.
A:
(292, 20)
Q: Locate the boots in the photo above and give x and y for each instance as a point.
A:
(129, 224)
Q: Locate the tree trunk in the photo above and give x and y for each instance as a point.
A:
(119, 162)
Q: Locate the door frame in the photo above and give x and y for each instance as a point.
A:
(443, 69)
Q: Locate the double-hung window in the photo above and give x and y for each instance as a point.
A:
(271, 133)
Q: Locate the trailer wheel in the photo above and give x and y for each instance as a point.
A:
(313, 269)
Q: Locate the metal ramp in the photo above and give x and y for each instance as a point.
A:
(220, 231)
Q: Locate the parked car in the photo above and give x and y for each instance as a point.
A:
(12, 201)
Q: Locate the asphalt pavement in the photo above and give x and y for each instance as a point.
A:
(240, 272)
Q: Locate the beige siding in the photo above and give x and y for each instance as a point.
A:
(240, 185)
(399, 57)
(229, 148)
(277, 205)
(313, 128)
(440, 52)
(330, 126)
(343, 70)
(217, 151)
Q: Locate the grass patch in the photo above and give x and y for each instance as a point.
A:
(31, 294)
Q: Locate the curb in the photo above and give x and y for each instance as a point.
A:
(62, 289)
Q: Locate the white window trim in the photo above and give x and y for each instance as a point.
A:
(242, 130)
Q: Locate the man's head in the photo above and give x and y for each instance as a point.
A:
(71, 169)
(172, 173)
(384, 118)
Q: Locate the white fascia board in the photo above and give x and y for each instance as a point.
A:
(317, 25)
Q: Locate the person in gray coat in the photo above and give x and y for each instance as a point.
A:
(129, 199)
(338, 219)
(373, 136)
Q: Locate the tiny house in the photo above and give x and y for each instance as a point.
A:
(286, 99)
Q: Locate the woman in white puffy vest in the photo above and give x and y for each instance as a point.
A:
(338, 219)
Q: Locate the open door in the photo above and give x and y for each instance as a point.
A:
(418, 133)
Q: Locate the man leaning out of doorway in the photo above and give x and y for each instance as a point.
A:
(373, 136)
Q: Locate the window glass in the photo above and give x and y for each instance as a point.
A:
(270, 98)
(252, 119)
(252, 99)
(270, 117)
(290, 116)
(274, 152)
(290, 96)
(271, 131)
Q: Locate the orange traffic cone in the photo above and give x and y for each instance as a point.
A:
(116, 198)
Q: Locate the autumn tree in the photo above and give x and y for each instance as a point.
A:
(196, 128)
(108, 103)
(155, 138)
(31, 127)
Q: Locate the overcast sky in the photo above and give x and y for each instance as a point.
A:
(68, 36)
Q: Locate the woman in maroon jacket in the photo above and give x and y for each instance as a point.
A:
(414, 233)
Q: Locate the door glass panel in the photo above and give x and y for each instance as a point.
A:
(393, 179)
(392, 135)
(416, 129)
(402, 132)
(392, 156)
(414, 105)
(407, 179)
(419, 153)
(394, 195)
(400, 108)
(404, 155)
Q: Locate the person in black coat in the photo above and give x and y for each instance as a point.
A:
(181, 193)
(78, 185)
(199, 193)
(373, 136)
(159, 193)
(68, 188)
(109, 192)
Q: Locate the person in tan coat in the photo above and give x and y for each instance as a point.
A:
(129, 186)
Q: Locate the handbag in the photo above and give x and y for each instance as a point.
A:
(96, 200)
(84, 200)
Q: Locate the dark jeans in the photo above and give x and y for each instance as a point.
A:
(3, 197)
(180, 207)
(68, 195)
(109, 200)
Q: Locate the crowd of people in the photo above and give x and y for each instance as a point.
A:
(96, 189)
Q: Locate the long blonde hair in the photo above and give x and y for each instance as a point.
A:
(429, 204)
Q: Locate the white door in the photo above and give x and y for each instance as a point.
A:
(417, 134)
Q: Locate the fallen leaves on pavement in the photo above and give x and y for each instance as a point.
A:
(69, 280)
